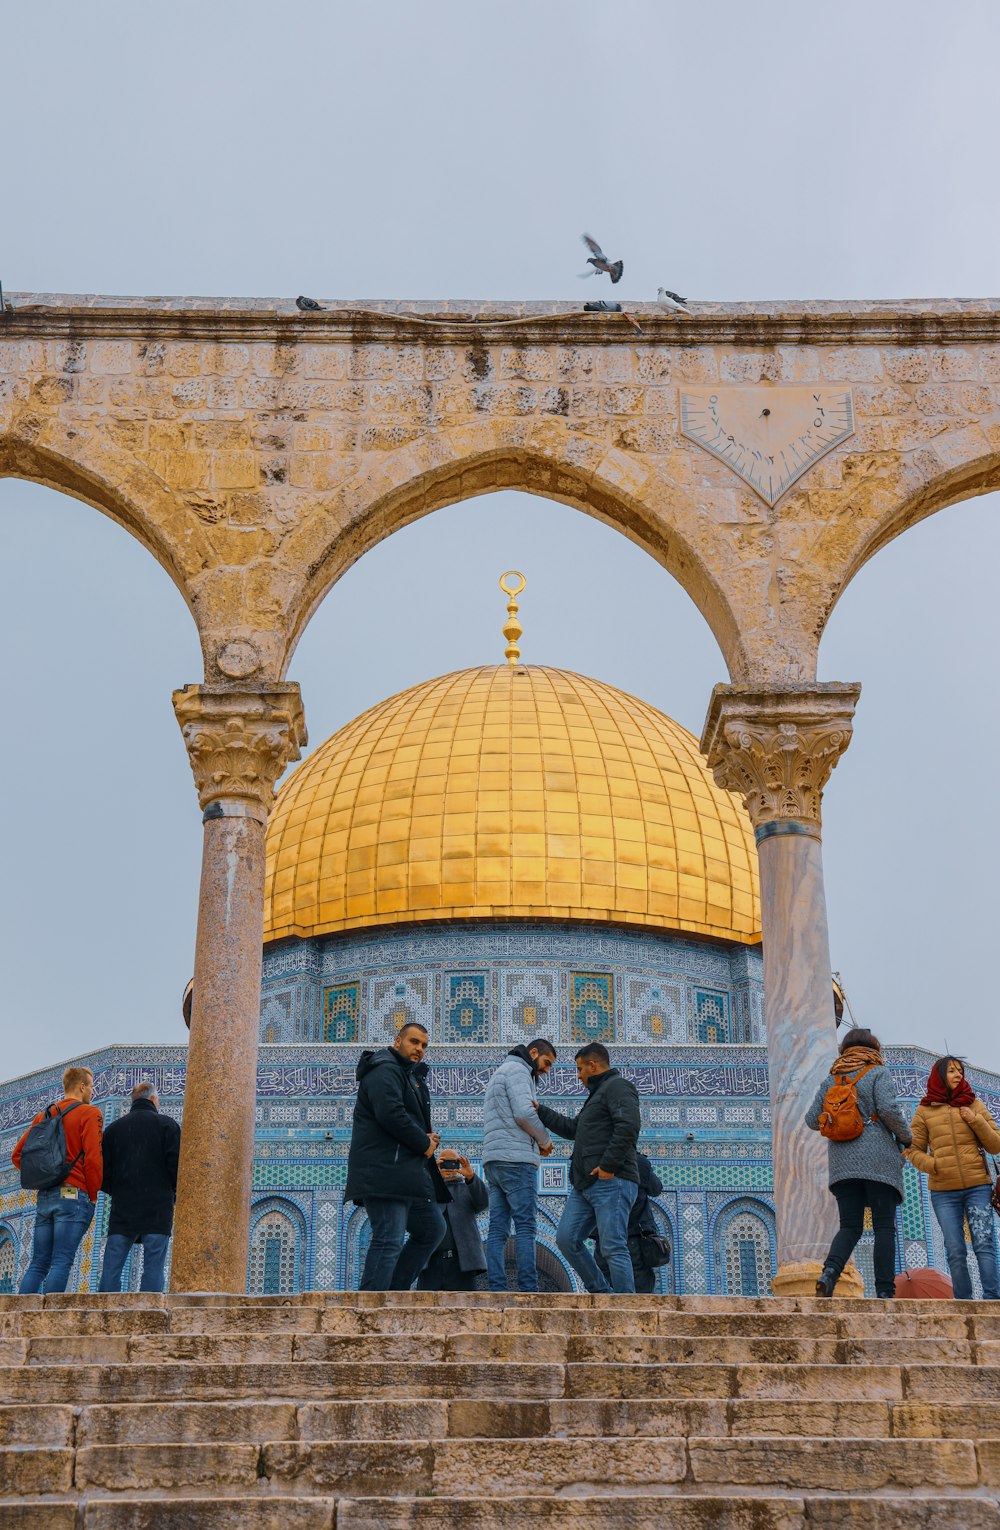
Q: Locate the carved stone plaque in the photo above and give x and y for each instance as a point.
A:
(769, 436)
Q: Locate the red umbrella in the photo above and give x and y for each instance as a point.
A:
(925, 1283)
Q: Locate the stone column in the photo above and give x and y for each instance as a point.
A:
(776, 748)
(239, 741)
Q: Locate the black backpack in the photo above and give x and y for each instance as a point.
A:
(44, 1165)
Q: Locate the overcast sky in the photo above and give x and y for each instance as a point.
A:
(456, 150)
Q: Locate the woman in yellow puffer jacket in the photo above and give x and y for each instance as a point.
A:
(952, 1133)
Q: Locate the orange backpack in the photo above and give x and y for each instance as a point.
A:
(840, 1119)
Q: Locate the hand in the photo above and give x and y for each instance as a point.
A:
(534, 1105)
(467, 1171)
(967, 1115)
(432, 1146)
(601, 1173)
(549, 1148)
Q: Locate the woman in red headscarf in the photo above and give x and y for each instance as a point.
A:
(952, 1133)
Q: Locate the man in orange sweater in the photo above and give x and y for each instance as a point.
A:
(65, 1212)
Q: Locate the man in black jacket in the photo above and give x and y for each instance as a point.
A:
(390, 1165)
(140, 1175)
(603, 1171)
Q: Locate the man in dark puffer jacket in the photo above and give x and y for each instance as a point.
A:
(603, 1171)
(390, 1167)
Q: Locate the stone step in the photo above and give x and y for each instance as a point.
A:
(352, 1381)
(959, 1322)
(515, 1348)
(456, 1467)
(254, 1422)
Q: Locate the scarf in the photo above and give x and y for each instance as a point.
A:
(938, 1092)
(856, 1058)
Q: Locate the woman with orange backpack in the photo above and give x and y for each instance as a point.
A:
(857, 1111)
(952, 1133)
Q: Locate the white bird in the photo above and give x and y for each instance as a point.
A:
(672, 301)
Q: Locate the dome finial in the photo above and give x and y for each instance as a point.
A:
(512, 628)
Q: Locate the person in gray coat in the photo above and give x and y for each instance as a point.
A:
(865, 1170)
(459, 1257)
(514, 1140)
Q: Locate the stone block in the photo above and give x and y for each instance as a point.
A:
(491, 1468)
(491, 1419)
(208, 1513)
(606, 1418)
(351, 1467)
(368, 1348)
(708, 1350)
(395, 1419)
(853, 1420)
(246, 1320)
(951, 1382)
(186, 1422)
(609, 1379)
(145, 1468)
(38, 1516)
(867, 1465)
(41, 1424)
(910, 1513)
(958, 1420)
(625, 1512)
(24, 1470)
(988, 1456)
(840, 1383)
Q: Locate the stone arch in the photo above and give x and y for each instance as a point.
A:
(926, 483)
(277, 1247)
(110, 480)
(8, 1260)
(744, 1247)
(544, 458)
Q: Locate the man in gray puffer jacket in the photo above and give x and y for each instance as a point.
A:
(513, 1141)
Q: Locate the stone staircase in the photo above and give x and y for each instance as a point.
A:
(337, 1411)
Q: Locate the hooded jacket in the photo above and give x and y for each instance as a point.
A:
(512, 1130)
(950, 1151)
(391, 1132)
(605, 1133)
(141, 1152)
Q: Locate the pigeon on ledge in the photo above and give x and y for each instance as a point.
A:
(308, 305)
(672, 301)
(600, 261)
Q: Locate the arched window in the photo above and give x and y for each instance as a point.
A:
(277, 1245)
(8, 1263)
(744, 1250)
(748, 1257)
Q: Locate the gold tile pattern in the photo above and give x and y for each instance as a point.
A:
(510, 792)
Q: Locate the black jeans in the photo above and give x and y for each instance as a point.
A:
(444, 1273)
(853, 1195)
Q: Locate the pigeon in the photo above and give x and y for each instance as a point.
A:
(308, 305)
(600, 261)
(603, 307)
(672, 301)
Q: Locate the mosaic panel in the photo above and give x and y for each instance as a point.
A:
(529, 1006)
(466, 1016)
(653, 1012)
(711, 1011)
(276, 1017)
(747, 1256)
(340, 1012)
(397, 1001)
(8, 1263)
(591, 1007)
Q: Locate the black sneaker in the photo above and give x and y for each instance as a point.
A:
(827, 1281)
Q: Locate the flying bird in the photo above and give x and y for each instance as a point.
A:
(308, 305)
(600, 261)
(671, 300)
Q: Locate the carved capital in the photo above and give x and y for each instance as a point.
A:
(777, 747)
(239, 741)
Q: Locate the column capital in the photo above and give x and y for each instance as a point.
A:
(777, 747)
(239, 740)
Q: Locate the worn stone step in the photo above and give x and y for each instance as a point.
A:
(642, 1512)
(36, 1424)
(298, 1380)
(948, 1420)
(26, 1470)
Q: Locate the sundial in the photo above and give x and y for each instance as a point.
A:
(769, 436)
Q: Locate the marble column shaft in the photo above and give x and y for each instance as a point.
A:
(776, 748)
(239, 741)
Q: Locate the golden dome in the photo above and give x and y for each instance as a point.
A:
(505, 792)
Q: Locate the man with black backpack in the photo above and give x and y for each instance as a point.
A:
(60, 1156)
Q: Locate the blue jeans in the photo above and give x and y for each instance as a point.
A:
(952, 1207)
(602, 1209)
(154, 1257)
(391, 1264)
(60, 1223)
(512, 1199)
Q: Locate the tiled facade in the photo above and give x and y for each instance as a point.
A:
(706, 1128)
(506, 982)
